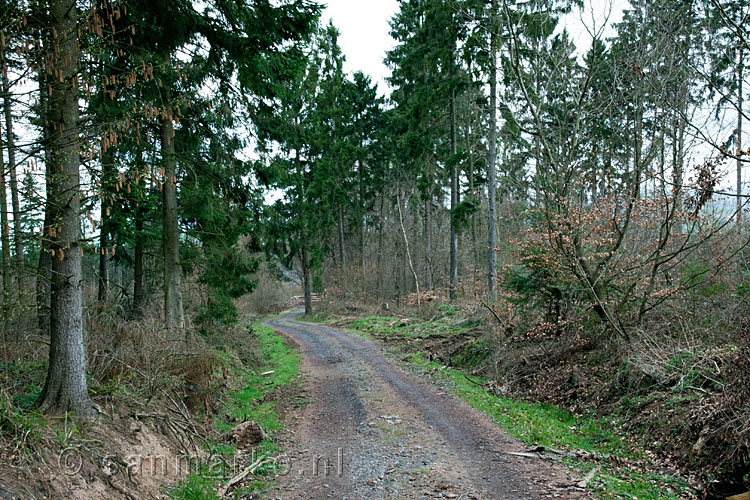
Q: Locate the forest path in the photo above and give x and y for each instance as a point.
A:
(373, 430)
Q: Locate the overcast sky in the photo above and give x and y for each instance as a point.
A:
(365, 30)
(364, 35)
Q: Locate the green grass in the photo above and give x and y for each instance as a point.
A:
(248, 404)
(280, 359)
(195, 487)
(542, 424)
(535, 423)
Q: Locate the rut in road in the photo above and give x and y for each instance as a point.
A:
(373, 430)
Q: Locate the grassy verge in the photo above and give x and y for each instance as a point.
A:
(537, 424)
(250, 403)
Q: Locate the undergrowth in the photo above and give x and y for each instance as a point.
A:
(250, 403)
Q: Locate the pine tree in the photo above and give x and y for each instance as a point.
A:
(65, 388)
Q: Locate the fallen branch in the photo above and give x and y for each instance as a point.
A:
(242, 475)
(585, 481)
(490, 309)
(523, 454)
(120, 489)
(547, 449)
(474, 382)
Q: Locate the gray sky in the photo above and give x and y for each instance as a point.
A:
(364, 35)
(365, 30)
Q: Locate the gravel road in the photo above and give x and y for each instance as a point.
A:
(372, 429)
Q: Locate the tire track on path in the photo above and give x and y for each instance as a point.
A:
(374, 430)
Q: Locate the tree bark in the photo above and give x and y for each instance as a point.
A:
(307, 281)
(379, 270)
(44, 286)
(740, 103)
(472, 191)
(454, 200)
(428, 241)
(361, 215)
(638, 148)
(492, 168)
(174, 315)
(5, 241)
(140, 215)
(65, 388)
(44, 265)
(406, 245)
(11, 147)
(342, 247)
(108, 175)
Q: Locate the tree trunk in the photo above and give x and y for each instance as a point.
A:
(43, 286)
(103, 266)
(5, 241)
(138, 251)
(678, 147)
(492, 169)
(406, 245)
(138, 292)
(307, 281)
(361, 215)
(44, 266)
(65, 388)
(637, 148)
(107, 181)
(342, 247)
(740, 103)
(428, 241)
(397, 271)
(379, 270)
(11, 146)
(174, 315)
(454, 199)
(470, 174)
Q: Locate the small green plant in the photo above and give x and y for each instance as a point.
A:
(194, 487)
(447, 309)
(473, 355)
(65, 435)
(22, 427)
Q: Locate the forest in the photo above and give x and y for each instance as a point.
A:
(562, 212)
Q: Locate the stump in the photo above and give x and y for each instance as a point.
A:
(248, 434)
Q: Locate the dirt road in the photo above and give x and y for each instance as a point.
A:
(374, 430)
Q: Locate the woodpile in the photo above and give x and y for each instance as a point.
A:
(299, 300)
